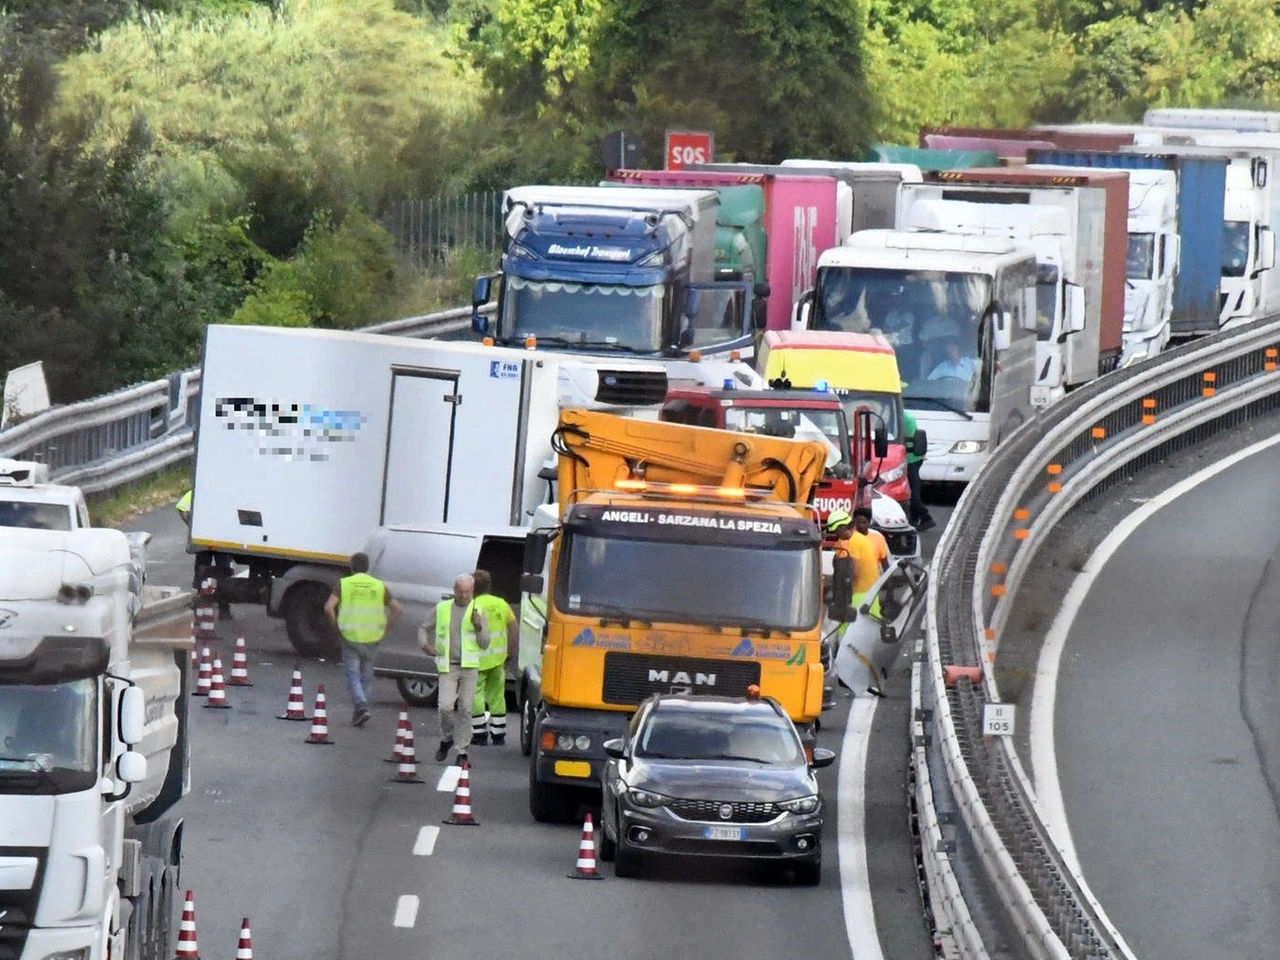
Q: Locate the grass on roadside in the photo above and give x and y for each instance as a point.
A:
(163, 489)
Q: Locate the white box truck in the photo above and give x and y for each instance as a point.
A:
(310, 439)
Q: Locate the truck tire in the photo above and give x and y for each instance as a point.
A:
(310, 631)
(419, 691)
(547, 803)
(528, 718)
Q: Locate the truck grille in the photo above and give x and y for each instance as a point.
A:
(630, 677)
(18, 907)
(631, 388)
(709, 811)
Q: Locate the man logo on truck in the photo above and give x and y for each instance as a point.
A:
(681, 681)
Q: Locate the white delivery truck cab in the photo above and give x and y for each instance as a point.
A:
(309, 439)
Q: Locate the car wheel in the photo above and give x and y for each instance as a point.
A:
(547, 804)
(626, 862)
(310, 630)
(607, 848)
(527, 720)
(419, 691)
(808, 874)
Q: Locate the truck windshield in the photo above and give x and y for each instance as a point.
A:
(48, 736)
(716, 583)
(1142, 256)
(1235, 248)
(593, 315)
(34, 516)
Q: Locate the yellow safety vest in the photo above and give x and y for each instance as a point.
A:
(470, 655)
(497, 613)
(362, 608)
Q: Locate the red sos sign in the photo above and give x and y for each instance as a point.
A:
(688, 146)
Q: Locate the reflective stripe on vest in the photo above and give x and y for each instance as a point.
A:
(470, 654)
(362, 608)
(497, 615)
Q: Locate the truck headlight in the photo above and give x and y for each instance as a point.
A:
(645, 798)
(808, 804)
(968, 446)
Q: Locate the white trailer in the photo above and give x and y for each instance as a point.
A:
(309, 439)
(93, 753)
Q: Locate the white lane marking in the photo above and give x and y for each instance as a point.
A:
(426, 842)
(406, 911)
(449, 779)
(1044, 759)
(855, 881)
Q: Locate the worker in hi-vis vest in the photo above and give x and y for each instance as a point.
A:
(489, 712)
(456, 633)
(363, 609)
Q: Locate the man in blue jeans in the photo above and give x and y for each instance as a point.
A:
(362, 609)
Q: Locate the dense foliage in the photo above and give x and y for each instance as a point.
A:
(165, 164)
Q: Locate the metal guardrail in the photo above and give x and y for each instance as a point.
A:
(135, 433)
(1074, 451)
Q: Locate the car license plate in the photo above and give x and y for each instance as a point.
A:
(724, 833)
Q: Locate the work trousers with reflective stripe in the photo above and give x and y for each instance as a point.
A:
(489, 713)
(457, 694)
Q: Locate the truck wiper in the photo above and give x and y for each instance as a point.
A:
(762, 627)
(942, 404)
(616, 616)
(582, 343)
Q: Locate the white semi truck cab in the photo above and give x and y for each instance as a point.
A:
(28, 499)
(92, 753)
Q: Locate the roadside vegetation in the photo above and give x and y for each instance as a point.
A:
(166, 164)
(162, 490)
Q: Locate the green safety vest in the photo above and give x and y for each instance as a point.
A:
(497, 613)
(470, 645)
(909, 432)
(362, 608)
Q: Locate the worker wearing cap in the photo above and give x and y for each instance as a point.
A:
(489, 711)
(858, 548)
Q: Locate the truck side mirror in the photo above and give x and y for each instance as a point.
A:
(132, 715)
(1266, 248)
(1075, 309)
(131, 767)
(535, 553)
(920, 443)
(1001, 330)
(841, 608)
(480, 294)
(532, 583)
(800, 313)
(880, 443)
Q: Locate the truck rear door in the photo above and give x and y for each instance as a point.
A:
(420, 437)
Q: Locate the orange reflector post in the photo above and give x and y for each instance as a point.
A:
(1148, 410)
(997, 589)
(1022, 513)
(951, 675)
(1099, 433)
(1054, 469)
(1272, 355)
(1021, 533)
(1055, 487)
(999, 569)
(1210, 379)
(991, 633)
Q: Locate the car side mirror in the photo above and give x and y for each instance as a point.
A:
(822, 757)
(615, 749)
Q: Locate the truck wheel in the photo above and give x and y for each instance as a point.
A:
(310, 631)
(527, 721)
(419, 691)
(547, 804)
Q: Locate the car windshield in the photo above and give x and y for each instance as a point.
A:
(35, 516)
(587, 314)
(50, 732)
(698, 735)
(773, 588)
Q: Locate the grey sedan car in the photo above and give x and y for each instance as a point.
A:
(700, 776)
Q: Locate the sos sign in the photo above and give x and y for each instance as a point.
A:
(688, 146)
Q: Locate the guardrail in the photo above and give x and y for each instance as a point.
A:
(1074, 451)
(134, 433)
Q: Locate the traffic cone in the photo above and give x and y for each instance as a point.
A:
(205, 621)
(240, 664)
(461, 815)
(398, 750)
(585, 869)
(217, 692)
(319, 720)
(408, 771)
(297, 708)
(244, 951)
(204, 679)
(188, 947)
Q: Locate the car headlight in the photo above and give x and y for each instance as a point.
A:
(808, 804)
(968, 446)
(645, 798)
(897, 473)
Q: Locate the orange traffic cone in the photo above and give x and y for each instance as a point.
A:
(204, 680)
(240, 664)
(188, 947)
(319, 720)
(585, 869)
(398, 750)
(408, 771)
(217, 692)
(461, 815)
(296, 709)
(244, 951)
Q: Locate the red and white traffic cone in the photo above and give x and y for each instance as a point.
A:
(408, 771)
(244, 950)
(398, 750)
(205, 621)
(188, 947)
(204, 679)
(319, 720)
(461, 814)
(297, 707)
(240, 664)
(217, 692)
(585, 869)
